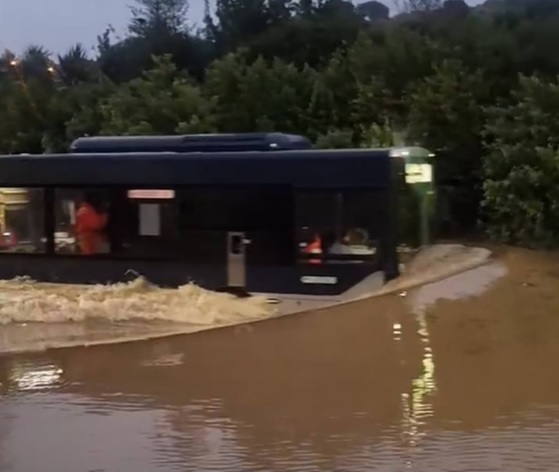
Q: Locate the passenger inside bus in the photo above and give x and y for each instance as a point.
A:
(354, 242)
(91, 224)
(338, 246)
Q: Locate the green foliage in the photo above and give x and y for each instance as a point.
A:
(259, 96)
(159, 102)
(153, 17)
(446, 115)
(383, 135)
(475, 85)
(521, 168)
(335, 139)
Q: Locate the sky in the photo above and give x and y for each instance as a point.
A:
(59, 24)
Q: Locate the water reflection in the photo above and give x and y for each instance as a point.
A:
(463, 385)
(35, 379)
(417, 405)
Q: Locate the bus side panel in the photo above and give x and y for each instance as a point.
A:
(79, 270)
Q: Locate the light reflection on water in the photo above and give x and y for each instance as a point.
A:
(36, 379)
(463, 385)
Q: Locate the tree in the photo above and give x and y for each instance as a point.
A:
(25, 116)
(414, 6)
(446, 116)
(75, 112)
(259, 96)
(385, 64)
(456, 7)
(75, 67)
(35, 64)
(521, 169)
(157, 28)
(240, 22)
(373, 10)
(158, 17)
(30, 84)
(160, 102)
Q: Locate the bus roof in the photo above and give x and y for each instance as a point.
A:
(410, 151)
(189, 143)
(359, 168)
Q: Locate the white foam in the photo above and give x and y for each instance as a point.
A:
(25, 301)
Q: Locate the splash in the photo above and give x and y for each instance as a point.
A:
(467, 284)
(23, 300)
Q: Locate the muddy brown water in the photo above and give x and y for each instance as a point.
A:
(459, 375)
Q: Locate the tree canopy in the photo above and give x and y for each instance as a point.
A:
(476, 85)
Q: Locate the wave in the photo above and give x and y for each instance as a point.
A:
(23, 300)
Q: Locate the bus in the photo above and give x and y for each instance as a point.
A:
(255, 213)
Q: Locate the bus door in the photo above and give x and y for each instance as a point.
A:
(236, 259)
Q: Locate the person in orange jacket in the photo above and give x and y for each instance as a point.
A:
(91, 222)
(314, 247)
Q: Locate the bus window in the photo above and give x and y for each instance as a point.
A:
(146, 223)
(82, 221)
(338, 227)
(22, 220)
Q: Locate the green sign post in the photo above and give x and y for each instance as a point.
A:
(419, 177)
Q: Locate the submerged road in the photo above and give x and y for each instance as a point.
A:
(403, 382)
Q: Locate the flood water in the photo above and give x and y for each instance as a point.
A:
(459, 375)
